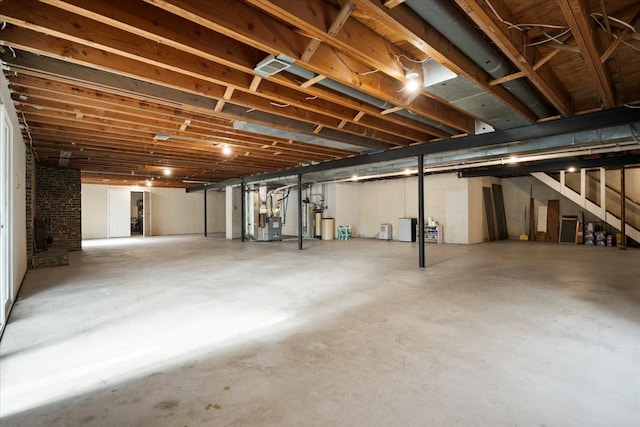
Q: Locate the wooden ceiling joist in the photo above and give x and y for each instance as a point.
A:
(512, 43)
(583, 32)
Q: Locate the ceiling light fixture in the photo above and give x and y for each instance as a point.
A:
(412, 85)
(167, 172)
(571, 169)
(226, 150)
(411, 74)
(148, 183)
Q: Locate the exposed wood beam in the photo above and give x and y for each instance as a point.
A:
(170, 60)
(390, 4)
(313, 81)
(619, 38)
(336, 26)
(578, 19)
(521, 74)
(330, 117)
(184, 125)
(197, 43)
(391, 110)
(255, 83)
(423, 37)
(511, 42)
(276, 37)
(356, 42)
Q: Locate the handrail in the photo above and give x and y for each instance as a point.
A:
(608, 187)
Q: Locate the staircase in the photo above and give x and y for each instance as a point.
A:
(589, 190)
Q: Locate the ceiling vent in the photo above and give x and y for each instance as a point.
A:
(273, 65)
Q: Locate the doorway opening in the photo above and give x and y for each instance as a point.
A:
(137, 213)
(129, 213)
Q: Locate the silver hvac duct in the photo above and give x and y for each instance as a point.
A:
(445, 18)
(363, 97)
(615, 138)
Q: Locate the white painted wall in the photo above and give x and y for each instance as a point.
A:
(233, 213)
(447, 200)
(18, 203)
(347, 206)
(173, 211)
(215, 211)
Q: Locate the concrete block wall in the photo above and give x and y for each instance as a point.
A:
(58, 201)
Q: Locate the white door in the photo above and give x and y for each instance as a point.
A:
(146, 214)
(119, 213)
(6, 227)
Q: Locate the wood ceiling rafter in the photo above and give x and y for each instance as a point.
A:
(619, 38)
(129, 19)
(512, 44)
(102, 80)
(396, 127)
(78, 139)
(276, 37)
(578, 19)
(199, 43)
(141, 135)
(423, 37)
(198, 70)
(219, 134)
(334, 29)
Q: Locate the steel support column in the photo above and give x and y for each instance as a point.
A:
(242, 211)
(205, 213)
(300, 211)
(623, 203)
(421, 210)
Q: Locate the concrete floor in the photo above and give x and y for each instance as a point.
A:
(193, 331)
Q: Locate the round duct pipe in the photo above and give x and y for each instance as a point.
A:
(445, 18)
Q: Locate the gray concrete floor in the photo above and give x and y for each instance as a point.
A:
(193, 331)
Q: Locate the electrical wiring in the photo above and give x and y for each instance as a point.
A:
(522, 27)
(275, 104)
(365, 73)
(596, 15)
(26, 126)
(550, 38)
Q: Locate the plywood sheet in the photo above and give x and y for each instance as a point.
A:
(501, 219)
(488, 208)
(553, 220)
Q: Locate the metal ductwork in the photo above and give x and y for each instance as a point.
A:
(445, 18)
(368, 99)
(607, 140)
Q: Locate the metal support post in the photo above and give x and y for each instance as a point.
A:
(300, 211)
(242, 211)
(421, 210)
(205, 213)
(623, 203)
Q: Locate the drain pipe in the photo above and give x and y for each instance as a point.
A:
(445, 18)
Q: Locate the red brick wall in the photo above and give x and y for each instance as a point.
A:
(30, 189)
(58, 201)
